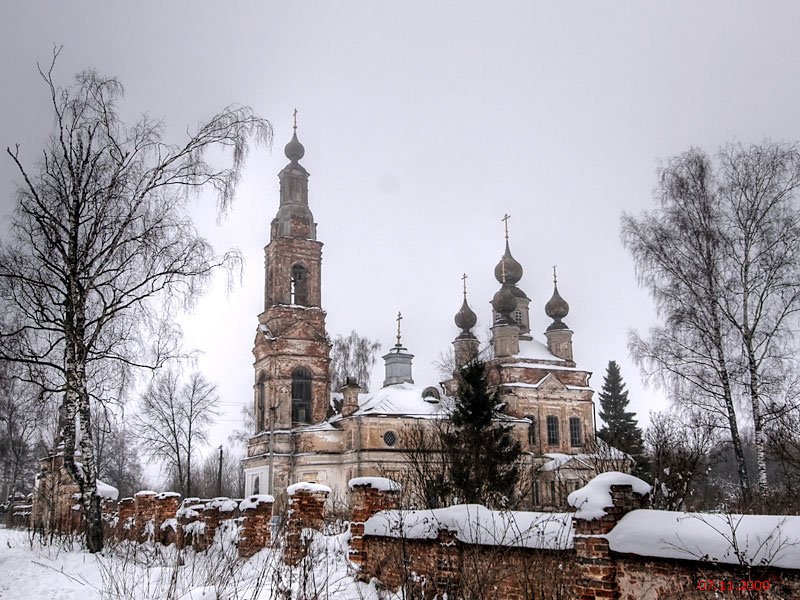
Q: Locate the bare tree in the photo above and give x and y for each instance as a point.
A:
(352, 356)
(100, 239)
(118, 453)
(207, 481)
(173, 421)
(678, 449)
(721, 256)
(24, 412)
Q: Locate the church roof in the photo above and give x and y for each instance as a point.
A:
(402, 399)
(535, 350)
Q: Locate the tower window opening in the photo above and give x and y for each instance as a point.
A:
(301, 395)
(298, 292)
(531, 431)
(575, 437)
(518, 317)
(552, 431)
(261, 403)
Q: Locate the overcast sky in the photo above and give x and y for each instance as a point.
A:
(424, 122)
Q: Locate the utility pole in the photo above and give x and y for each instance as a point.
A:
(219, 473)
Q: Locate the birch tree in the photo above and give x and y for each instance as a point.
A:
(721, 258)
(100, 239)
(352, 356)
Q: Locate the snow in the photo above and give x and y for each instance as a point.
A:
(170, 524)
(201, 593)
(29, 569)
(189, 511)
(377, 483)
(476, 524)
(255, 500)
(402, 399)
(307, 487)
(196, 528)
(591, 500)
(145, 493)
(223, 504)
(558, 460)
(714, 537)
(535, 350)
(525, 365)
(105, 490)
(165, 495)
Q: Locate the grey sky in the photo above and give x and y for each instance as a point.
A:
(423, 124)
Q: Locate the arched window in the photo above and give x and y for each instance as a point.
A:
(256, 485)
(261, 402)
(299, 288)
(552, 431)
(531, 430)
(301, 395)
(575, 431)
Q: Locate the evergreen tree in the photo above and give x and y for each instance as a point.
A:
(621, 428)
(483, 454)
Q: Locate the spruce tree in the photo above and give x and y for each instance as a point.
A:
(483, 454)
(621, 428)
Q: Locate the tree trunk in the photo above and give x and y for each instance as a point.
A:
(733, 426)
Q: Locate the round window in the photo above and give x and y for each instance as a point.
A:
(390, 437)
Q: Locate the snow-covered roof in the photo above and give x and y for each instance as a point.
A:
(476, 524)
(591, 500)
(714, 537)
(527, 365)
(558, 460)
(535, 350)
(105, 490)
(402, 399)
(323, 426)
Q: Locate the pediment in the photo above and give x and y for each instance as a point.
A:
(551, 383)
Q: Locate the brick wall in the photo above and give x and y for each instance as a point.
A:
(588, 571)
(431, 568)
(306, 511)
(255, 532)
(368, 495)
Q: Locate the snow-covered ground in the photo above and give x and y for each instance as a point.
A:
(31, 569)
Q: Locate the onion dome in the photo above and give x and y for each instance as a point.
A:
(518, 293)
(294, 150)
(503, 303)
(508, 270)
(465, 318)
(556, 308)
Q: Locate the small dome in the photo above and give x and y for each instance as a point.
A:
(504, 302)
(508, 270)
(465, 318)
(294, 150)
(556, 308)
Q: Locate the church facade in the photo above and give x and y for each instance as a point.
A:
(304, 431)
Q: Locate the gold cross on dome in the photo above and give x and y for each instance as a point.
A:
(555, 279)
(464, 281)
(295, 119)
(505, 219)
(399, 318)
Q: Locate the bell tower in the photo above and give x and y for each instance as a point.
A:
(291, 347)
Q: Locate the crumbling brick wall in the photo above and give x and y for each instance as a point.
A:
(255, 532)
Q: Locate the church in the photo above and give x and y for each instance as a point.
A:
(305, 431)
